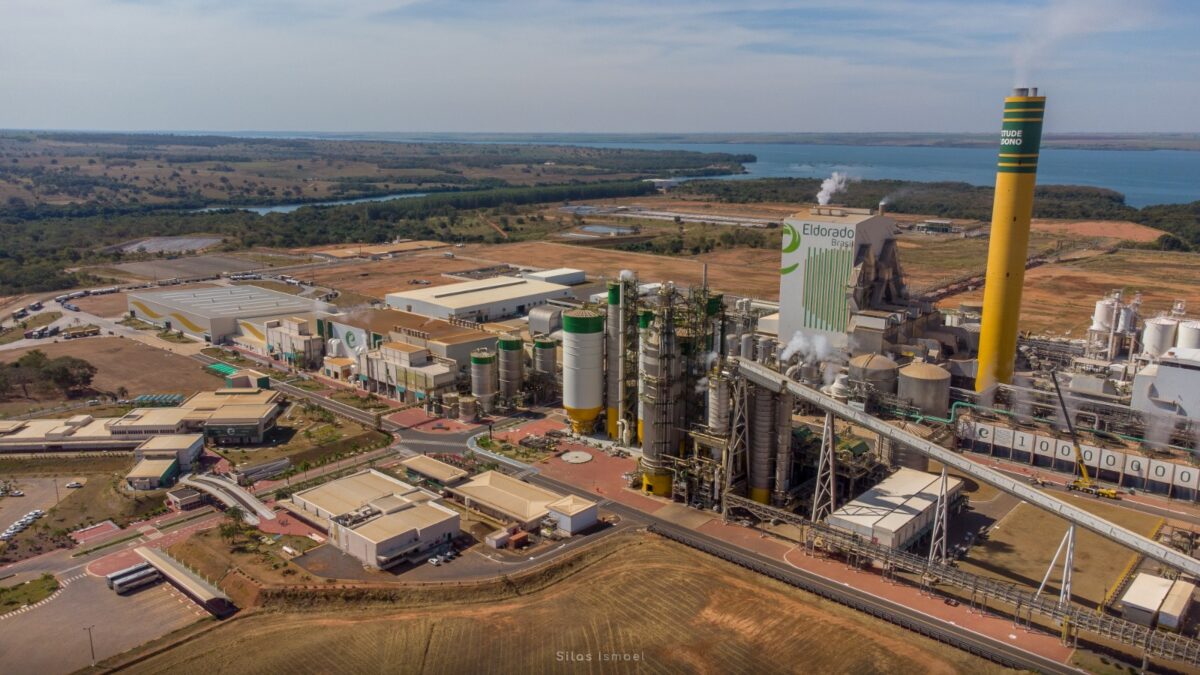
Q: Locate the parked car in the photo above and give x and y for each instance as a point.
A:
(435, 562)
(74, 484)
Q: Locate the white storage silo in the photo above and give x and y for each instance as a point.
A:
(583, 367)
(1159, 335)
(1102, 317)
(1189, 335)
(876, 370)
(483, 379)
(545, 355)
(718, 404)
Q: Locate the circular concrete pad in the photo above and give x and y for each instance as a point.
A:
(577, 457)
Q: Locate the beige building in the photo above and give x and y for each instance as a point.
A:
(184, 448)
(378, 519)
(406, 372)
(291, 341)
(151, 474)
(511, 500)
(479, 300)
(427, 468)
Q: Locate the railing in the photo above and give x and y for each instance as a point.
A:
(1154, 642)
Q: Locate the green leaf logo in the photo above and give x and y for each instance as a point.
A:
(791, 243)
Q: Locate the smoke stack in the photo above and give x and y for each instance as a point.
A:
(1016, 177)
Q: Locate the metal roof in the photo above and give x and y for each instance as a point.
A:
(230, 301)
(516, 499)
(1147, 592)
(480, 292)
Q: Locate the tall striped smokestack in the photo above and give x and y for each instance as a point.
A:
(1016, 176)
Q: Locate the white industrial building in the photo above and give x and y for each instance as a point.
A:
(217, 315)
(184, 448)
(378, 519)
(566, 276)
(480, 300)
(1145, 595)
(574, 514)
(1171, 386)
(898, 511)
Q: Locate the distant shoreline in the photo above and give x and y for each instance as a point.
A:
(1181, 141)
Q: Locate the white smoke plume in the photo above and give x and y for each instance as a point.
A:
(810, 348)
(702, 385)
(627, 275)
(1061, 20)
(836, 183)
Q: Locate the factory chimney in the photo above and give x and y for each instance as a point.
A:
(1016, 175)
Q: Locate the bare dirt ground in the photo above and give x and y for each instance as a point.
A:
(1116, 230)
(113, 304)
(378, 278)
(197, 266)
(760, 280)
(658, 607)
(140, 368)
(1059, 299)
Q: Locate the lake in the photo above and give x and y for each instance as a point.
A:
(1143, 176)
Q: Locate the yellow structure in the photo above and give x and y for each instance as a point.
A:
(658, 484)
(1016, 176)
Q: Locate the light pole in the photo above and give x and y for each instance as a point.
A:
(91, 644)
(56, 491)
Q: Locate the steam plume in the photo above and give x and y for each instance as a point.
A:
(830, 186)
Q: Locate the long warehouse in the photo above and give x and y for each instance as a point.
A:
(215, 314)
(480, 300)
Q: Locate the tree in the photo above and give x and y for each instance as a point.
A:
(35, 360)
(122, 392)
(235, 520)
(69, 373)
(228, 532)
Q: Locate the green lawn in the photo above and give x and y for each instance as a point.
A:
(28, 593)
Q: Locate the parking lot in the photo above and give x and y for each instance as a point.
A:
(50, 638)
(39, 494)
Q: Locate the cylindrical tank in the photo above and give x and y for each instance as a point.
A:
(733, 345)
(762, 445)
(747, 346)
(1102, 317)
(766, 349)
(1159, 335)
(875, 370)
(1128, 322)
(1189, 335)
(511, 351)
(718, 404)
(927, 387)
(467, 410)
(483, 379)
(612, 359)
(545, 355)
(583, 367)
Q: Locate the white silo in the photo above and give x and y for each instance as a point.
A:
(1102, 317)
(718, 404)
(583, 367)
(511, 351)
(1189, 335)
(1159, 335)
(545, 355)
(483, 379)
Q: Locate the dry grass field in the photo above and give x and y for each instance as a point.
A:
(1020, 547)
(749, 277)
(1059, 299)
(1112, 230)
(120, 362)
(378, 278)
(677, 610)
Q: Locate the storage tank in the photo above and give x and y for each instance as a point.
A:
(1189, 335)
(545, 355)
(766, 349)
(747, 346)
(583, 367)
(612, 360)
(733, 345)
(1159, 335)
(762, 445)
(875, 370)
(927, 387)
(511, 350)
(467, 411)
(483, 379)
(718, 404)
(1128, 323)
(1102, 317)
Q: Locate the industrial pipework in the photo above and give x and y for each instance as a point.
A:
(1016, 177)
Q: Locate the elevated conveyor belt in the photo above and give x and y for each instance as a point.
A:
(765, 377)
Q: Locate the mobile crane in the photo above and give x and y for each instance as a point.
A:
(1084, 483)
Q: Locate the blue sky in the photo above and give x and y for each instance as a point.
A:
(579, 65)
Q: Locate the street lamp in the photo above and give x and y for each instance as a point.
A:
(91, 644)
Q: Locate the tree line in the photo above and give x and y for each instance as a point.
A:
(68, 374)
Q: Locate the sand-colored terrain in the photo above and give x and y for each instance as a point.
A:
(658, 606)
(380, 277)
(1115, 230)
(1059, 299)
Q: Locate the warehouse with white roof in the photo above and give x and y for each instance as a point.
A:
(481, 300)
(217, 314)
(899, 510)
